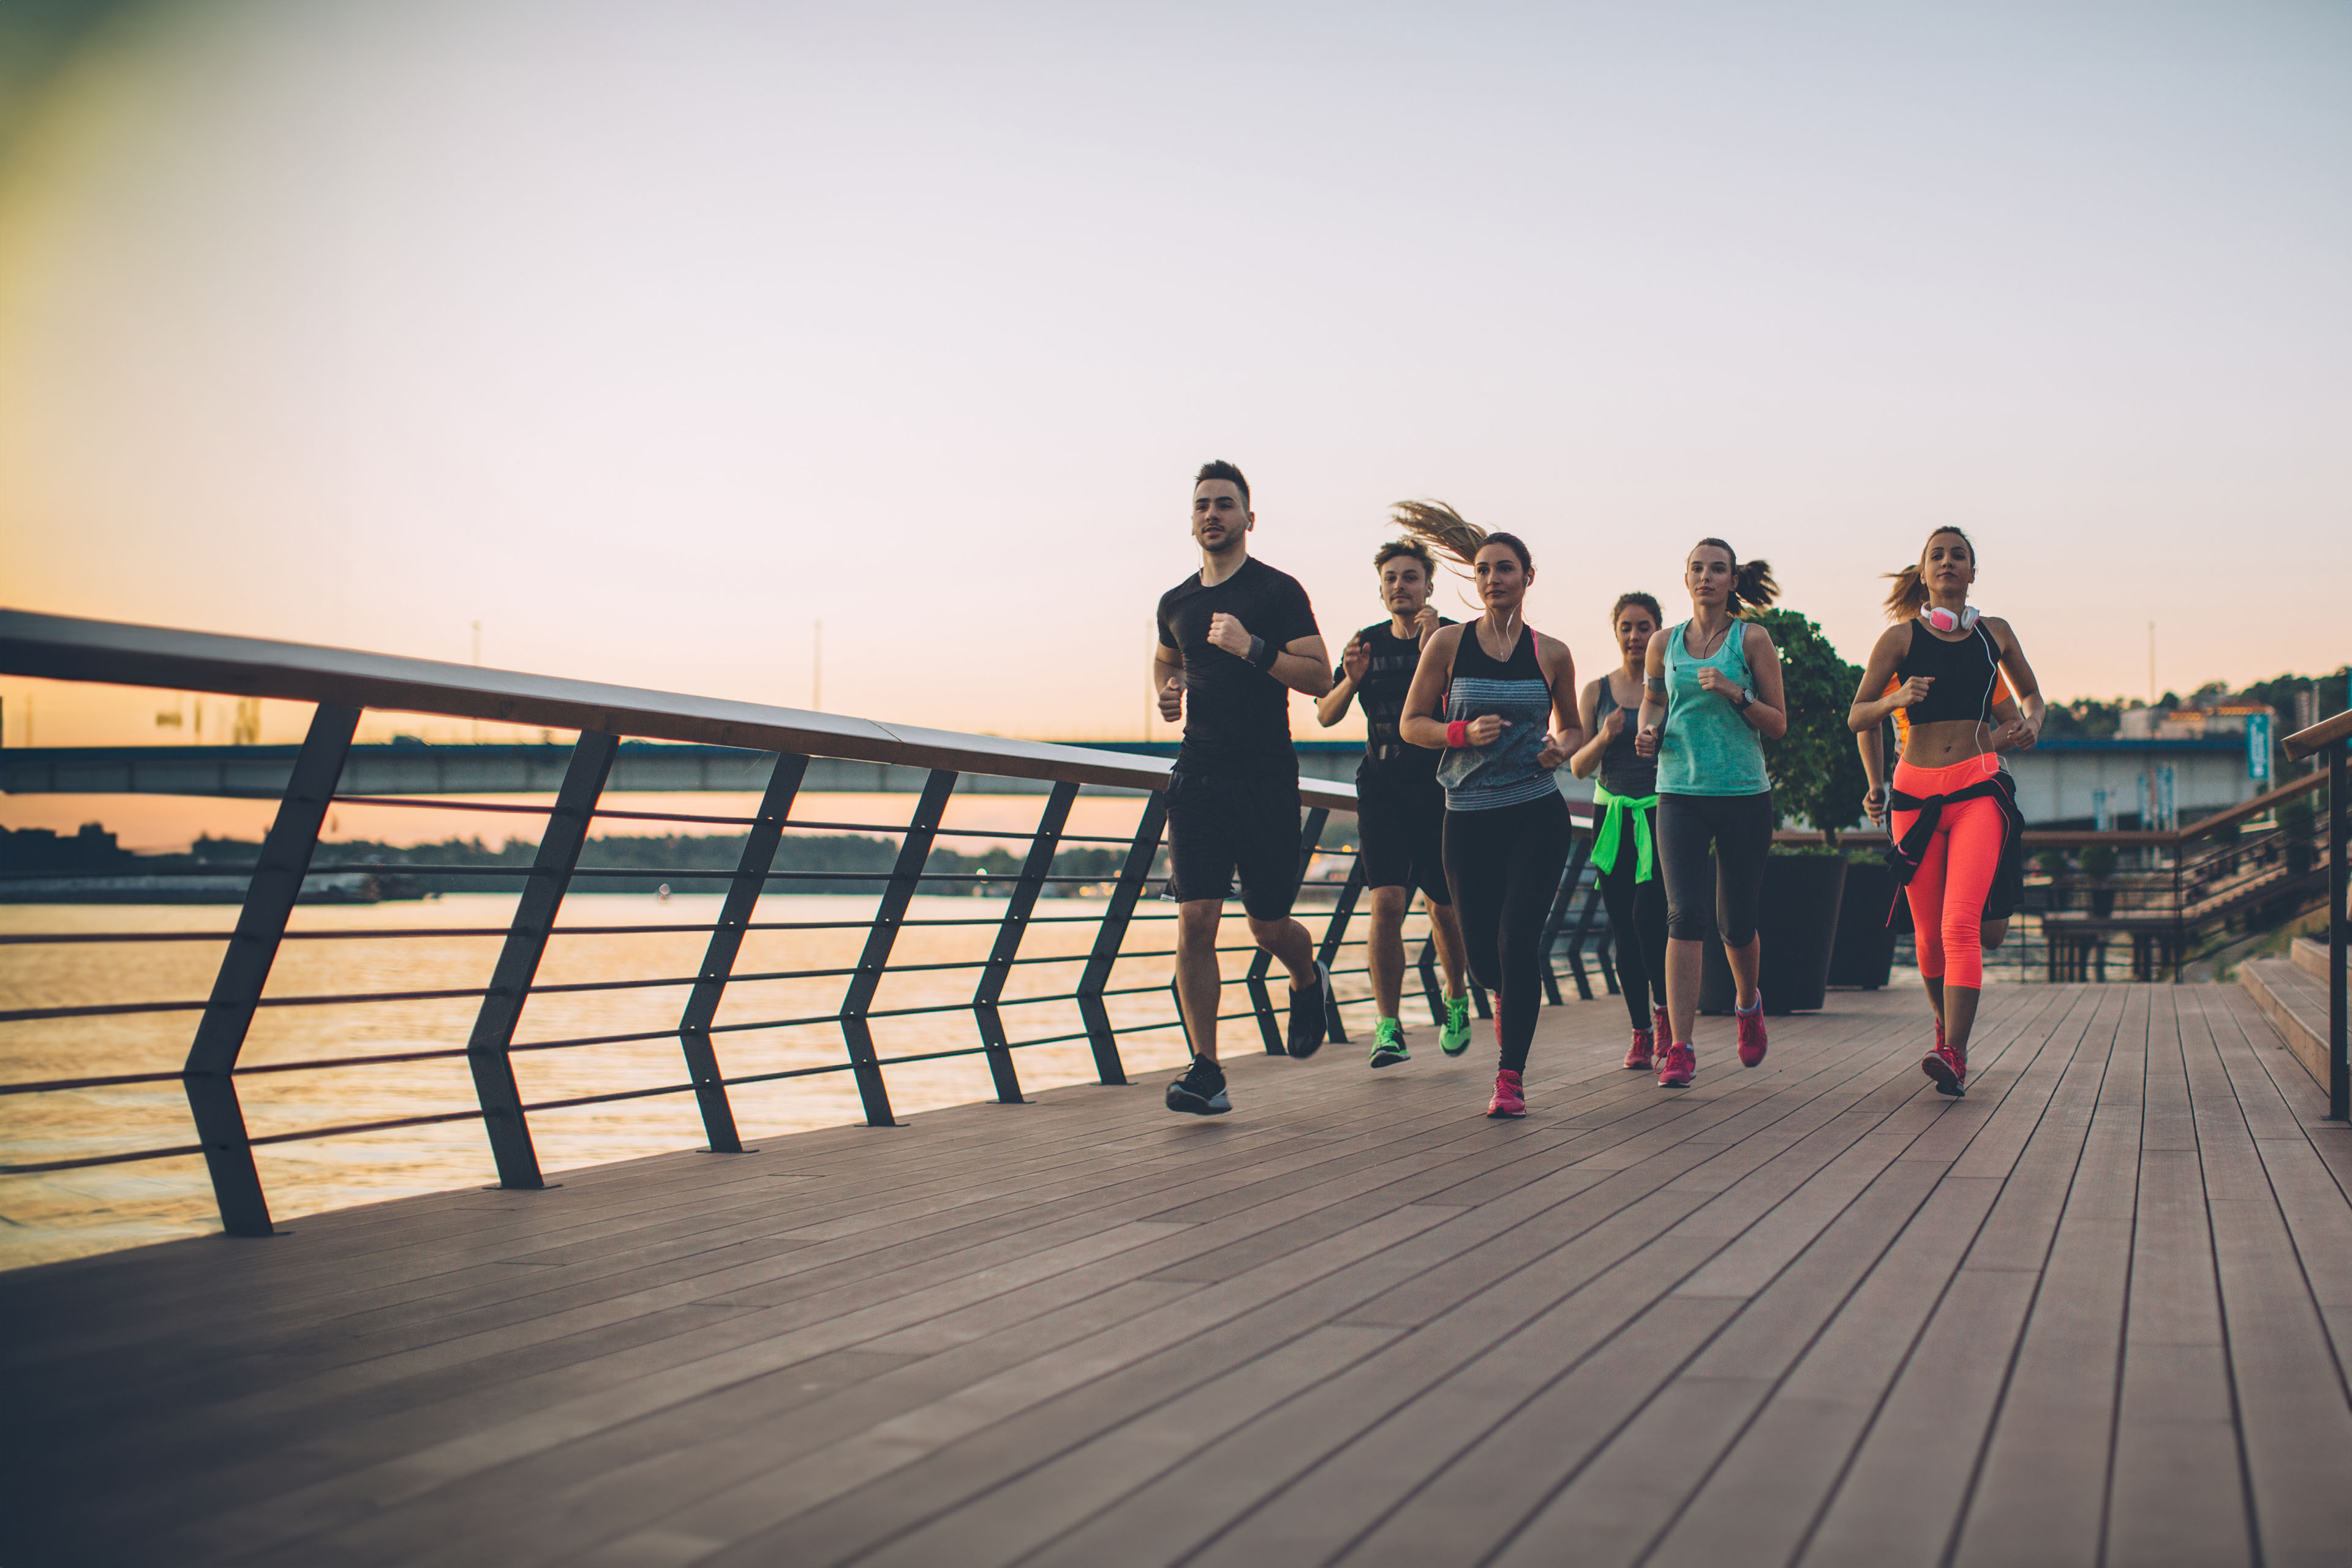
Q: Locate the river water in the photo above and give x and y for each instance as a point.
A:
(56, 1215)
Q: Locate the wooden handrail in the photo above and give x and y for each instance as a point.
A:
(2320, 736)
(67, 648)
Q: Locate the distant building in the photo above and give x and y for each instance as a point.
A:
(39, 849)
(2211, 719)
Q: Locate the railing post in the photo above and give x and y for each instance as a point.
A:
(1335, 934)
(1111, 932)
(726, 940)
(227, 1017)
(906, 877)
(489, 1050)
(1017, 909)
(1262, 999)
(2339, 881)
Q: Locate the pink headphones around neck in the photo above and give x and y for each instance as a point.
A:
(1943, 620)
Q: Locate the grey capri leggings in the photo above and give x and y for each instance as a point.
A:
(1739, 827)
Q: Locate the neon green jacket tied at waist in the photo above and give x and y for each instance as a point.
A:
(1616, 809)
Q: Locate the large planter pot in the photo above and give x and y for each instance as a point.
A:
(1863, 956)
(1798, 919)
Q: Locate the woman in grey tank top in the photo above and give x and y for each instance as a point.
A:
(1495, 697)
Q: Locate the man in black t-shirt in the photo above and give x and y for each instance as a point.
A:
(1236, 640)
(1400, 806)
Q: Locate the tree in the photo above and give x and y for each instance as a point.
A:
(1816, 771)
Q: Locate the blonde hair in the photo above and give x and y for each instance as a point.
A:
(1909, 595)
(1443, 527)
(1752, 587)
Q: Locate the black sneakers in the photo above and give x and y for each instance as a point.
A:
(1201, 1092)
(1307, 1020)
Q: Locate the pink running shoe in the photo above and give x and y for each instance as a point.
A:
(1676, 1069)
(1507, 1100)
(1948, 1068)
(1752, 1033)
(1638, 1058)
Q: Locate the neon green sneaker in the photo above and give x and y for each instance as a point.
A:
(1388, 1043)
(1454, 1038)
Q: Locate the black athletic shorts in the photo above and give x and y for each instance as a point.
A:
(1227, 822)
(1400, 828)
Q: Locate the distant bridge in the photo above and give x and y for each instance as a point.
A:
(2055, 782)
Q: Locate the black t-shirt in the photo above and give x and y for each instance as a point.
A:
(1388, 755)
(1236, 715)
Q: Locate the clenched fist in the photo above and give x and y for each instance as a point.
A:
(1645, 740)
(1227, 633)
(1172, 699)
(1914, 691)
(1356, 658)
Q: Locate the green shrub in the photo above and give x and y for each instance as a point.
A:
(2098, 861)
(1816, 771)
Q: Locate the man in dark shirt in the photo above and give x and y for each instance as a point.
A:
(1400, 806)
(1234, 642)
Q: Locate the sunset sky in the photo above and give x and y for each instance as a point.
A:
(649, 335)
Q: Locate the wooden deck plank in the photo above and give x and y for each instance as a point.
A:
(2042, 1489)
(1811, 1312)
(2175, 1493)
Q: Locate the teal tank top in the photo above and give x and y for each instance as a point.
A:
(1707, 748)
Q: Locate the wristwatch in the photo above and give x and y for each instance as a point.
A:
(1746, 698)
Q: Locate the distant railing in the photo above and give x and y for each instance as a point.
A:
(342, 684)
(2334, 736)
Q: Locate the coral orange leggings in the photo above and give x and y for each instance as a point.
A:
(1948, 892)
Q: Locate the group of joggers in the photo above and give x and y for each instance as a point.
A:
(1456, 797)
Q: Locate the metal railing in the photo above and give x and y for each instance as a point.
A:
(2334, 736)
(1104, 988)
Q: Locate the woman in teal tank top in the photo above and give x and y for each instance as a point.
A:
(1712, 698)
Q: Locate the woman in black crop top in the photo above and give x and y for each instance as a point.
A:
(1952, 813)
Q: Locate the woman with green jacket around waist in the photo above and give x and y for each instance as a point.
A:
(1625, 854)
(1712, 698)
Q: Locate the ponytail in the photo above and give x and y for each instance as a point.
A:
(1443, 527)
(1908, 596)
(1752, 587)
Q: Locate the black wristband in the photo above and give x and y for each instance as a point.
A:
(1262, 654)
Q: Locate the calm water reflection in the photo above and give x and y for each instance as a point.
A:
(67, 1213)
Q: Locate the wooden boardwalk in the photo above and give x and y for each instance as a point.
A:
(2097, 1312)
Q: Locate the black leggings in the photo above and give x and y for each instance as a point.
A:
(1637, 926)
(1740, 826)
(1503, 866)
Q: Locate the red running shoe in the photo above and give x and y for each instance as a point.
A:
(1752, 1033)
(1681, 1062)
(1947, 1067)
(1507, 1100)
(1638, 1058)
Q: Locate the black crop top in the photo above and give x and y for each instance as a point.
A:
(1965, 674)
